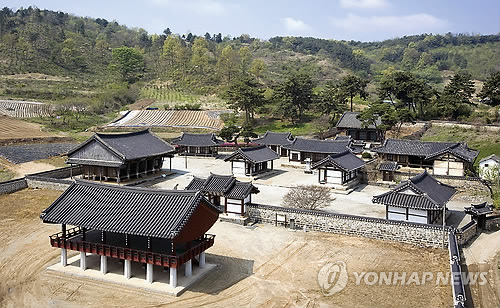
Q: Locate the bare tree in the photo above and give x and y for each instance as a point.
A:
(310, 197)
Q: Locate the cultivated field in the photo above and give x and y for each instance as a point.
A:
(22, 109)
(171, 118)
(263, 266)
(13, 129)
(18, 154)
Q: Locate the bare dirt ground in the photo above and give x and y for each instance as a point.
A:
(264, 266)
(20, 170)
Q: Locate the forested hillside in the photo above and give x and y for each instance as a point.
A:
(57, 57)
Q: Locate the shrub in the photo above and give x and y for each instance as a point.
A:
(310, 197)
(366, 155)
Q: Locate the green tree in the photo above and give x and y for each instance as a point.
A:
(171, 49)
(230, 134)
(128, 62)
(331, 101)
(199, 58)
(456, 98)
(245, 94)
(490, 93)
(294, 96)
(227, 63)
(245, 58)
(258, 68)
(352, 86)
(383, 111)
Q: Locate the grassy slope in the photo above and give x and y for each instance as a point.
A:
(486, 142)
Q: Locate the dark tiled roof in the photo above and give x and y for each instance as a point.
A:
(345, 161)
(224, 185)
(479, 209)
(426, 149)
(272, 138)
(426, 193)
(129, 146)
(241, 190)
(342, 137)
(388, 166)
(493, 157)
(201, 140)
(120, 209)
(256, 154)
(318, 146)
(350, 120)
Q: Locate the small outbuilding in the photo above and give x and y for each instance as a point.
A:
(224, 191)
(489, 167)
(478, 213)
(252, 161)
(420, 199)
(163, 228)
(302, 149)
(197, 144)
(275, 141)
(340, 169)
(350, 125)
(120, 156)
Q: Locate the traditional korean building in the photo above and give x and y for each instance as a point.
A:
(197, 144)
(443, 158)
(420, 199)
(225, 191)
(478, 213)
(164, 228)
(275, 141)
(350, 125)
(120, 156)
(301, 149)
(252, 160)
(339, 169)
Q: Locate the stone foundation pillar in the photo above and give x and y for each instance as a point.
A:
(127, 269)
(202, 259)
(188, 270)
(83, 260)
(173, 277)
(149, 273)
(64, 257)
(104, 264)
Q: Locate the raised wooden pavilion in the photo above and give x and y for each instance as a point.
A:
(120, 156)
(275, 141)
(340, 169)
(155, 227)
(225, 191)
(197, 144)
(420, 199)
(252, 160)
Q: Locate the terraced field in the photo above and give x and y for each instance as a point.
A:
(11, 128)
(171, 118)
(23, 109)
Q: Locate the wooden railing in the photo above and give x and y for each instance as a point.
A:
(125, 253)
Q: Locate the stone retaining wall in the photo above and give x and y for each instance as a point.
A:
(13, 186)
(60, 173)
(411, 233)
(466, 233)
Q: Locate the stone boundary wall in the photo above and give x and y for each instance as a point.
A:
(39, 182)
(59, 173)
(466, 233)
(12, 186)
(421, 235)
(457, 287)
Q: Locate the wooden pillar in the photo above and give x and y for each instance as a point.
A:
(251, 168)
(100, 174)
(225, 205)
(319, 175)
(272, 164)
(137, 169)
(242, 207)
(128, 171)
(71, 171)
(118, 175)
(63, 229)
